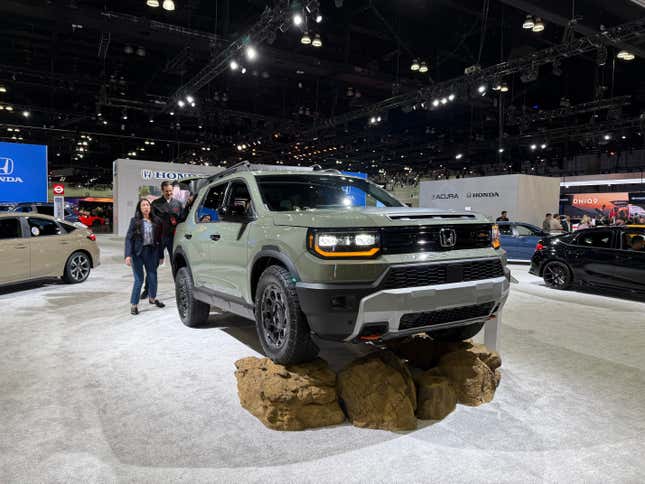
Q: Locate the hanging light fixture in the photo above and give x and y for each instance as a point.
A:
(152, 3)
(168, 5)
(504, 87)
(423, 67)
(528, 22)
(317, 42)
(539, 25)
(625, 55)
(305, 39)
(415, 65)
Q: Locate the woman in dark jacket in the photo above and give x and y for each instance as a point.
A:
(143, 249)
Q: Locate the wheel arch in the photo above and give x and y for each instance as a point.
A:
(268, 256)
(179, 260)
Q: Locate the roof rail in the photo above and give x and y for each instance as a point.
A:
(241, 166)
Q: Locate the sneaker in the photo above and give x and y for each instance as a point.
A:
(158, 303)
(134, 310)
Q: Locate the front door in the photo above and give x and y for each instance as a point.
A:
(14, 251)
(630, 259)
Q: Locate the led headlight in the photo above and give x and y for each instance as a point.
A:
(337, 243)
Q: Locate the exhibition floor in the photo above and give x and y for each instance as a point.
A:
(93, 394)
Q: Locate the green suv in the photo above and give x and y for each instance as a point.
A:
(315, 252)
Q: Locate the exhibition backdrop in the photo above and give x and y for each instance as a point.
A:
(526, 198)
(596, 205)
(23, 172)
(134, 179)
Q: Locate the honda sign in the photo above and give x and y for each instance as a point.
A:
(23, 172)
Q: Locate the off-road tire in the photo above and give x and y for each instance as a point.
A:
(460, 333)
(282, 327)
(77, 268)
(557, 275)
(191, 311)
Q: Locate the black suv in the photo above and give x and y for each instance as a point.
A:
(608, 257)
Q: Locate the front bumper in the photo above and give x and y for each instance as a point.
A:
(350, 312)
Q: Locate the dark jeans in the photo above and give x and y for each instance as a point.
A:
(149, 259)
(166, 243)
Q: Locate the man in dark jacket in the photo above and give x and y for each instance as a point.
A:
(170, 211)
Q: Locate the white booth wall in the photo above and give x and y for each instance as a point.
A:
(526, 198)
(134, 178)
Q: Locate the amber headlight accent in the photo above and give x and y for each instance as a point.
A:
(494, 237)
(335, 244)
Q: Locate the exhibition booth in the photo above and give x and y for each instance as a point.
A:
(525, 197)
(135, 179)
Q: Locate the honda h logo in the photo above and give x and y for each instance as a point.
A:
(6, 169)
(447, 237)
(6, 166)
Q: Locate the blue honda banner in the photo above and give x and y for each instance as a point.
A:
(23, 172)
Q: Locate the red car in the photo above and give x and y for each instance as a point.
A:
(91, 220)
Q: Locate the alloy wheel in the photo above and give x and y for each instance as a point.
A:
(275, 314)
(555, 274)
(79, 267)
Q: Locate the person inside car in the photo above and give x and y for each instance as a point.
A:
(638, 243)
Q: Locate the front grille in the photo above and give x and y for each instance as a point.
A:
(407, 240)
(430, 318)
(433, 274)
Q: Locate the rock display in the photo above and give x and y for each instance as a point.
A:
(437, 397)
(387, 389)
(423, 352)
(378, 392)
(473, 380)
(294, 397)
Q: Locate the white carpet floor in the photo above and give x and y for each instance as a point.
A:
(89, 393)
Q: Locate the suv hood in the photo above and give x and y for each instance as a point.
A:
(375, 217)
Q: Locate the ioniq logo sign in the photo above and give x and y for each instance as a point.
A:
(6, 171)
(147, 174)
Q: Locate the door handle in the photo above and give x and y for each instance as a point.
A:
(188, 236)
(215, 237)
(20, 247)
(64, 243)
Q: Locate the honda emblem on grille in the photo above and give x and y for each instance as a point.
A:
(447, 237)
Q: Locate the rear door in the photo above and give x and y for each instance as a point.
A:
(593, 257)
(630, 259)
(202, 232)
(230, 249)
(48, 247)
(14, 251)
(527, 238)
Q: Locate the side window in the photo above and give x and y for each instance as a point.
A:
(208, 210)
(634, 239)
(45, 210)
(505, 229)
(239, 196)
(24, 209)
(595, 238)
(523, 231)
(39, 227)
(10, 228)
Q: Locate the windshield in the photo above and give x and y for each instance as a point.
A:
(283, 193)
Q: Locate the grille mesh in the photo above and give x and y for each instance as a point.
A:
(433, 274)
(417, 320)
